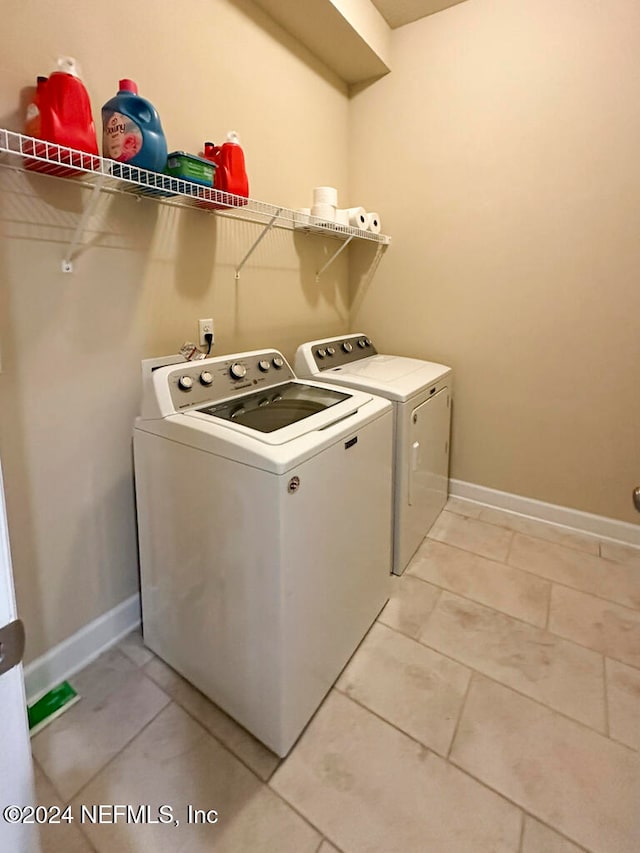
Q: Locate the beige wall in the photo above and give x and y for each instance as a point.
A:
(502, 152)
(69, 394)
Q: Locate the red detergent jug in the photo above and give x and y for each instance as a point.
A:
(60, 113)
(231, 175)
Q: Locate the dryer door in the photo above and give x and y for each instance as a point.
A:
(429, 456)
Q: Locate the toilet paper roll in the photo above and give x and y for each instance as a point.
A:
(357, 217)
(324, 211)
(342, 217)
(325, 195)
(373, 222)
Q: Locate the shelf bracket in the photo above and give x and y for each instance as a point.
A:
(67, 262)
(267, 228)
(333, 257)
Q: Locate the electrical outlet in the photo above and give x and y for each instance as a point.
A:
(204, 328)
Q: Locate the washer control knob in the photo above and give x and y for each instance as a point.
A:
(237, 370)
(264, 365)
(331, 351)
(362, 343)
(347, 346)
(278, 362)
(321, 353)
(367, 342)
(185, 383)
(206, 378)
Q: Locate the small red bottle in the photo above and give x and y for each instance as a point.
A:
(231, 175)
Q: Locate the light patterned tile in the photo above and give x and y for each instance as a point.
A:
(547, 668)
(620, 553)
(326, 847)
(538, 838)
(502, 587)
(410, 603)
(472, 535)
(237, 739)
(601, 625)
(541, 530)
(371, 789)
(63, 837)
(623, 696)
(460, 506)
(417, 690)
(134, 648)
(575, 780)
(604, 578)
(117, 701)
(175, 762)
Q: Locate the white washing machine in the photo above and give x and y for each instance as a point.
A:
(421, 394)
(264, 515)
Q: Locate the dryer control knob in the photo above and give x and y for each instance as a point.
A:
(331, 350)
(362, 343)
(367, 342)
(321, 353)
(185, 383)
(278, 362)
(347, 346)
(206, 378)
(237, 370)
(264, 365)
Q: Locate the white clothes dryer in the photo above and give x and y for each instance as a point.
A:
(264, 514)
(421, 394)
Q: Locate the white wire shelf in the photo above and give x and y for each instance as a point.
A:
(36, 155)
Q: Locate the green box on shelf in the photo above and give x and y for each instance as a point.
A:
(188, 167)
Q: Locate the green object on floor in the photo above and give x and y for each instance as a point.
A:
(50, 706)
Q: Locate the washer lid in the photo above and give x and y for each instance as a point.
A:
(277, 407)
(392, 376)
(309, 409)
(281, 449)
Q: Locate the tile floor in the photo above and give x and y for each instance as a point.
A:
(493, 708)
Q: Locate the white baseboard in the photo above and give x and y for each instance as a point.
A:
(74, 653)
(574, 519)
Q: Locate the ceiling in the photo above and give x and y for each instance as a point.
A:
(399, 12)
(352, 38)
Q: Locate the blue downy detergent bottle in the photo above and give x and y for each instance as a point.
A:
(132, 132)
